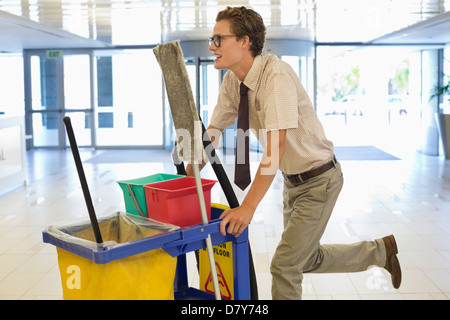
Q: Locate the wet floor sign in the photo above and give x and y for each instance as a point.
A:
(223, 256)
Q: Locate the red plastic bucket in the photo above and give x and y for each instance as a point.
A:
(176, 201)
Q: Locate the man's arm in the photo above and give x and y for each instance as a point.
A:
(214, 135)
(239, 218)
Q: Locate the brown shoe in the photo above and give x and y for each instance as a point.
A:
(392, 263)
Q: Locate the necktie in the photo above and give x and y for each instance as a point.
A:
(242, 168)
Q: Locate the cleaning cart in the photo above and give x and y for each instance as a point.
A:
(126, 256)
(151, 267)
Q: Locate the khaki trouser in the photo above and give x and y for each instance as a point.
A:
(307, 208)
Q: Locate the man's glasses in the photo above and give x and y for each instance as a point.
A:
(216, 39)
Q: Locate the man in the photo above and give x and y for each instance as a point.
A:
(286, 125)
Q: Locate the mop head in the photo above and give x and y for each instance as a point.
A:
(184, 113)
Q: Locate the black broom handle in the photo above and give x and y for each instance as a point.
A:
(219, 171)
(81, 175)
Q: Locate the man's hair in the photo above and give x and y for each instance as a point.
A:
(246, 22)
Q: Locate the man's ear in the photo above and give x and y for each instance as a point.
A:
(246, 41)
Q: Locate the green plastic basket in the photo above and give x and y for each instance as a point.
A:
(136, 186)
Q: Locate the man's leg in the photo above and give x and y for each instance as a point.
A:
(355, 257)
(307, 209)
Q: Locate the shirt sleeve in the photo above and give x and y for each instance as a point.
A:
(226, 110)
(280, 103)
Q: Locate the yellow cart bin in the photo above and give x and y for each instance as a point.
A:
(129, 264)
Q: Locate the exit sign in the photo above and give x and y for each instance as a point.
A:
(54, 54)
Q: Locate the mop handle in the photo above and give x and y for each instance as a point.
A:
(81, 175)
(209, 248)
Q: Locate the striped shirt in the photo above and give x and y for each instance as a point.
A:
(277, 101)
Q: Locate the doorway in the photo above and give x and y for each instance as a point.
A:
(58, 85)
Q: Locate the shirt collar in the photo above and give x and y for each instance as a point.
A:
(252, 77)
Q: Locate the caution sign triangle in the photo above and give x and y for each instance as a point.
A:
(224, 290)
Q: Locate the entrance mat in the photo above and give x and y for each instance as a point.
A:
(131, 156)
(362, 153)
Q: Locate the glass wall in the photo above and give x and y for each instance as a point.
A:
(370, 96)
(210, 80)
(77, 96)
(129, 109)
(446, 67)
(11, 84)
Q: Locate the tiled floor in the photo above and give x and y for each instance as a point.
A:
(409, 198)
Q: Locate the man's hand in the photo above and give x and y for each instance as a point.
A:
(237, 218)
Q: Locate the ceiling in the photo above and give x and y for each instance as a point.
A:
(32, 24)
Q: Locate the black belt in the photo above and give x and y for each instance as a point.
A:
(302, 177)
